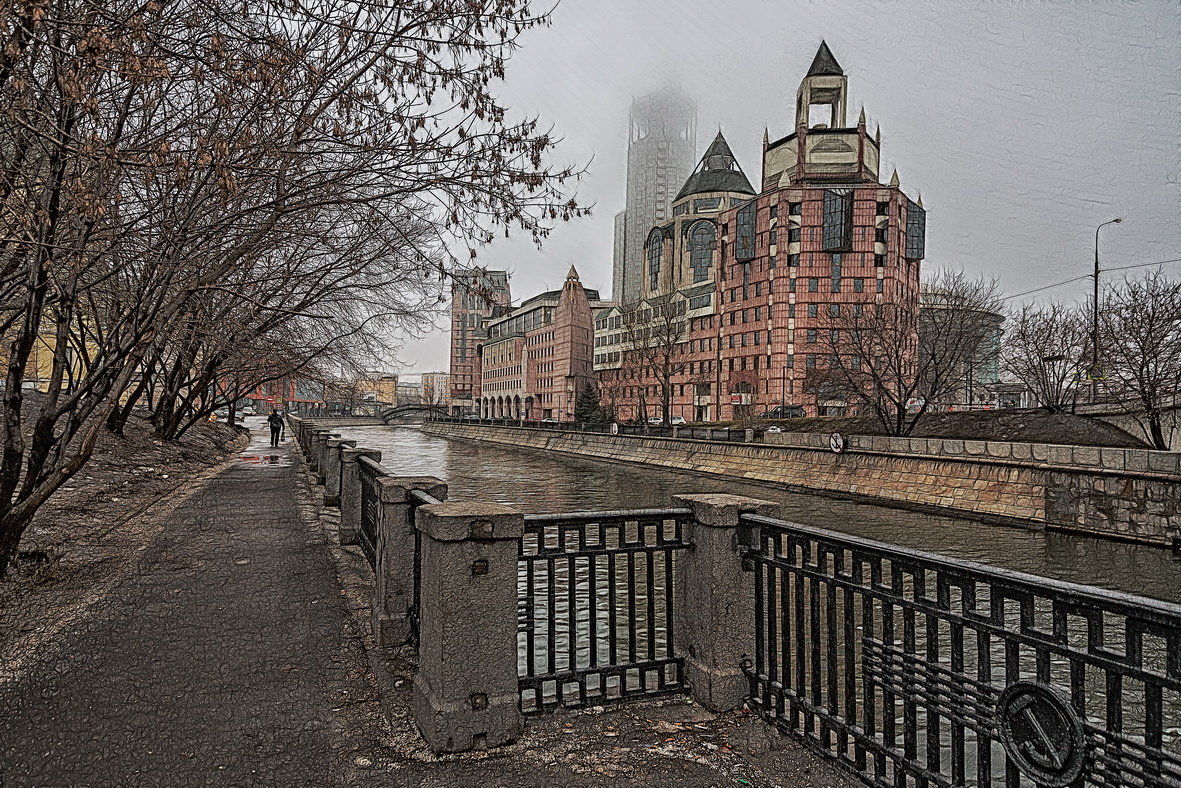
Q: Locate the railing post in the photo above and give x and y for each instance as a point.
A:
(466, 692)
(714, 605)
(323, 452)
(350, 492)
(393, 595)
(331, 467)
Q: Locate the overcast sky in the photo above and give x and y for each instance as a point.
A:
(1022, 125)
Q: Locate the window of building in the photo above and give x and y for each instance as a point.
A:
(812, 335)
(813, 285)
(758, 289)
(744, 232)
(794, 208)
(881, 283)
(834, 310)
(793, 260)
(757, 334)
(834, 335)
(857, 309)
(655, 246)
(836, 285)
(838, 219)
(858, 285)
(879, 260)
(773, 236)
(813, 310)
(880, 234)
(793, 235)
(758, 311)
(698, 302)
(916, 231)
(810, 361)
(701, 244)
(771, 261)
(791, 285)
(883, 209)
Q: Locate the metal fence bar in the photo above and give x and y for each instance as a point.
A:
(595, 607)
(369, 473)
(916, 669)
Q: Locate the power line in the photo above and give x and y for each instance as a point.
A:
(1088, 276)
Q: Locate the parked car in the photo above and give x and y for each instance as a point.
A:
(773, 430)
(550, 421)
(675, 421)
(784, 412)
(247, 410)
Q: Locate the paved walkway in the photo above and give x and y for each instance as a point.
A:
(221, 659)
(233, 654)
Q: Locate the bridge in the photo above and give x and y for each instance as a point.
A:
(412, 412)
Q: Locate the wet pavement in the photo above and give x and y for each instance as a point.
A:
(224, 657)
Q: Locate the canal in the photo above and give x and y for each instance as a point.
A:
(542, 482)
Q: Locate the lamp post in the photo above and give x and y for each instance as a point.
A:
(1095, 317)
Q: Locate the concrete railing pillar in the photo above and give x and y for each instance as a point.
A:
(312, 448)
(331, 469)
(465, 691)
(322, 454)
(393, 595)
(714, 608)
(350, 492)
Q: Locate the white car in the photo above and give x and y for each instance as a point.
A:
(675, 421)
(773, 430)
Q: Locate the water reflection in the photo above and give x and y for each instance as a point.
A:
(537, 481)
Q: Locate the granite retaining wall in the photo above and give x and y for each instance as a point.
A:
(1129, 494)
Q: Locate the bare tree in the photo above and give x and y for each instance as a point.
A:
(898, 363)
(154, 152)
(1045, 348)
(654, 335)
(1140, 338)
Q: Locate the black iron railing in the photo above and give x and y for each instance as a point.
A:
(637, 430)
(595, 607)
(369, 472)
(916, 669)
(417, 498)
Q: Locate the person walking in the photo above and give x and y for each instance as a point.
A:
(276, 422)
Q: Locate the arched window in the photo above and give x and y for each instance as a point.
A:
(701, 244)
(655, 246)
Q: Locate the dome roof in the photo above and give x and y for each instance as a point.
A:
(718, 171)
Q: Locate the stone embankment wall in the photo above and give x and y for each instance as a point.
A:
(1130, 494)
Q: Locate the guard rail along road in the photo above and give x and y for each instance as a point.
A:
(906, 668)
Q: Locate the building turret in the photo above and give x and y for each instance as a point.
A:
(823, 147)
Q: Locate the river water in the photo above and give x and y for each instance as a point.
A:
(542, 482)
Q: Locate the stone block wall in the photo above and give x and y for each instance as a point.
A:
(1129, 494)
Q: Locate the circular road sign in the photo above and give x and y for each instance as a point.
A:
(838, 443)
(1041, 733)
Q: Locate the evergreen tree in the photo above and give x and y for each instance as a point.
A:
(586, 406)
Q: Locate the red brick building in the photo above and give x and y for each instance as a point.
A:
(477, 295)
(538, 355)
(754, 280)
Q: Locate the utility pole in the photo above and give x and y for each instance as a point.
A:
(1095, 318)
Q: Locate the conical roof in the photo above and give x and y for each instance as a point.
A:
(718, 171)
(824, 64)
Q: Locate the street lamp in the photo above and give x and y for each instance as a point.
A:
(1095, 317)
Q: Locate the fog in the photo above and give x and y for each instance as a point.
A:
(1023, 127)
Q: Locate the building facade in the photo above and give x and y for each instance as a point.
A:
(537, 356)
(477, 295)
(662, 141)
(746, 292)
(436, 389)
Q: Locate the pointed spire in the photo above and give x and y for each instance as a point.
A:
(877, 135)
(861, 119)
(718, 171)
(766, 137)
(824, 64)
(920, 201)
(572, 276)
(894, 179)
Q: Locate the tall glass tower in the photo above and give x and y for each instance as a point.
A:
(661, 152)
